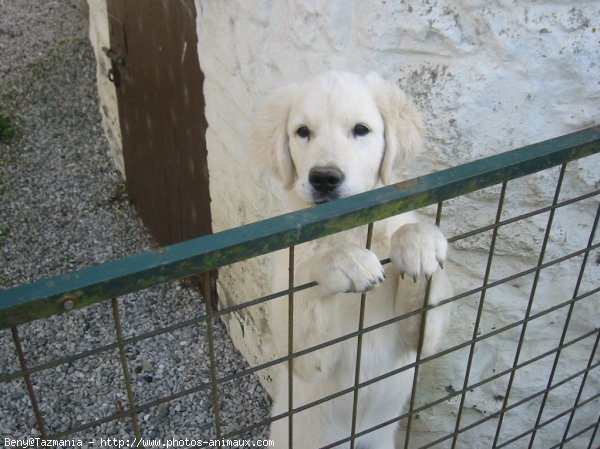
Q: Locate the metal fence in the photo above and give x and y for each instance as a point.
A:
(578, 419)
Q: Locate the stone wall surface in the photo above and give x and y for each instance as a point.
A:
(100, 38)
(488, 77)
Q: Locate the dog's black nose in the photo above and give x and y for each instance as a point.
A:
(325, 179)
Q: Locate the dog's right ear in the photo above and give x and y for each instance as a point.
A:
(269, 137)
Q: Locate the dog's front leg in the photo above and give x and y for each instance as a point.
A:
(320, 313)
(418, 252)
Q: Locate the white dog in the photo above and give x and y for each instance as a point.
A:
(337, 135)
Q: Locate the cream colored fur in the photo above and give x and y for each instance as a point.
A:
(314, 125)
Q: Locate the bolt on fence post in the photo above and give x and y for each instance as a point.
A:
(68, 303)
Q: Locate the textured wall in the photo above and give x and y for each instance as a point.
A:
(488, 77)
(99, 37)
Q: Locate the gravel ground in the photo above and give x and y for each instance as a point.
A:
(64, 207)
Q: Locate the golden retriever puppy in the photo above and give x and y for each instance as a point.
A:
(336, 135)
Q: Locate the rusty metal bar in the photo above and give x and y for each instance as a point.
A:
(594, 433)
(125, 368)
(92, 285)
(515, 405)
(311, 223)
(361, 322)
(548, 421)
(292, 269)
(524, 216)
(575, 435)
(211, 354)
(566, 324)
(486, 278)
(531, 299)
(29, 385)
(159, 331)
(581, 387)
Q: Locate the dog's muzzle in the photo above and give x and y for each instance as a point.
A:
(325, 181)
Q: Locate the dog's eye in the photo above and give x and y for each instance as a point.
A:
(360, 130)
(303, 132)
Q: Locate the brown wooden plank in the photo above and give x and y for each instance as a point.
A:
(161, 107)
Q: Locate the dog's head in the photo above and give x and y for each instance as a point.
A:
(337, 135)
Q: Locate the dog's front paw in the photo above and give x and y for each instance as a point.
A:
(418, 249)
(348, 269)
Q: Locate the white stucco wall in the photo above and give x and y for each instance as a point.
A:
(488, 77)
(100, 38)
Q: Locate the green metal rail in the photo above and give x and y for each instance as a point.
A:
(92, 285)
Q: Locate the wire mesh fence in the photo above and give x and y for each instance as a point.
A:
(540, 389)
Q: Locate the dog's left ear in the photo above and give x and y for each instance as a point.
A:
(404, 128)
